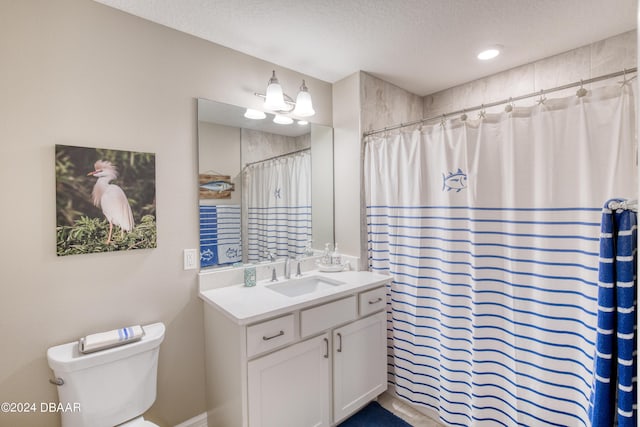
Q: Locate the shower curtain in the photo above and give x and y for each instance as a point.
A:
(490, 231)
(278, 201)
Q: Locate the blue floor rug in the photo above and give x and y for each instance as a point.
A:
(374, 415)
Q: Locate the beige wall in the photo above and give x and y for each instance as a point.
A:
(347, 164)
(219, 151)
(79, 73)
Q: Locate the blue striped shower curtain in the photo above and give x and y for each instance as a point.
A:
(490, 231)
(278, 206)
(614, 392)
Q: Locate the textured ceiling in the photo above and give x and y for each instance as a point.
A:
(420, 45)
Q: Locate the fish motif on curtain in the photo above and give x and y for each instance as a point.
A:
(454, 181)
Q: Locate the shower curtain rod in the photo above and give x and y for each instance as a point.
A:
(276, 157)
(540, 93)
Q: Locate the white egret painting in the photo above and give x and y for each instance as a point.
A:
(105, 200)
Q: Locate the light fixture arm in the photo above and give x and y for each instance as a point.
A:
(287, 99)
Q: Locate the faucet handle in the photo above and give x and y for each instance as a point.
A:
(270, 254)
(274, 275)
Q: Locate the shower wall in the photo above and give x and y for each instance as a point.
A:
(599, 58)
(383, 104)
(363, 102)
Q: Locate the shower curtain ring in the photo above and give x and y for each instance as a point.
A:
(582, 91)
(442, 120)
(624, 77)
(509, 107)
(482, 113)
(542, 98)
(463, 117)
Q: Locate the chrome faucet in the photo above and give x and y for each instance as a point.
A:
(298, 272)
(287, 268)
(272, 257)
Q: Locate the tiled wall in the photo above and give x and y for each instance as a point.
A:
(603, 57)
(257, 145)
(383, 104)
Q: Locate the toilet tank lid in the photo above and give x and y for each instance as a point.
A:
(67, 357)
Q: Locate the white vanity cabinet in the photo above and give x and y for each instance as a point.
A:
(290, 387)
(359, 364)
(310, 367)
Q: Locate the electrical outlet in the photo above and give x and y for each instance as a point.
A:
(190, 259)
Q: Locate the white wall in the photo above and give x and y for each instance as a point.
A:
(77, 72)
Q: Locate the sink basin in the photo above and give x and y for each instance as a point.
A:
(304, 285)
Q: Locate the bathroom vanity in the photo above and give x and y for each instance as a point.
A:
(307, 351)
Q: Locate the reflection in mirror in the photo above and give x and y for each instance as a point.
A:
(266, 189)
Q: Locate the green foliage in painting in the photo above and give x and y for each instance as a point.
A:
(88, 235)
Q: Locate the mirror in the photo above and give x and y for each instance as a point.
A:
(265, 188)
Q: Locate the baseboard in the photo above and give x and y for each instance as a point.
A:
(197, 421)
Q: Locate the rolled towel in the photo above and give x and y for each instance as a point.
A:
(104, 340)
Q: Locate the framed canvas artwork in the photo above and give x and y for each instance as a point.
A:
(105, 200)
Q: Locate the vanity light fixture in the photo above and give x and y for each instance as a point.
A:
(278, 101)
(282, 120)
(303, 122)
(254, 114)
(490, 53)
(304, 107)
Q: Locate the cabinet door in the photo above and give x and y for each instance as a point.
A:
(290, 388)
(359, 365)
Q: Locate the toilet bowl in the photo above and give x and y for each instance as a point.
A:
(111, 387)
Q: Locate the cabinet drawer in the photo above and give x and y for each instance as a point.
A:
(323, 317)
(268, 335)
(373, 300)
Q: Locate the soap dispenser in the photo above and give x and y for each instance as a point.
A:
(336, 258)
(250, 275)
(308, 250)
(326, 255)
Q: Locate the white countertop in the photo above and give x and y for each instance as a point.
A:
(246, 305)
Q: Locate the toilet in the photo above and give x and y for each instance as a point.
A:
(111, 387)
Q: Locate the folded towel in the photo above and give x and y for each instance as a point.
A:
(104, 340)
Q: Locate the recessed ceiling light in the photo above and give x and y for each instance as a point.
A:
(254, 114)
(282, 120)
(489, 53)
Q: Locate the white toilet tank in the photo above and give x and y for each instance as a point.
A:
(110, 386)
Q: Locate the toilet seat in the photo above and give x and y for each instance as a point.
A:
(138, 422)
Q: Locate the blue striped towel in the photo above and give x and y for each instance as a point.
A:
(615, 369)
